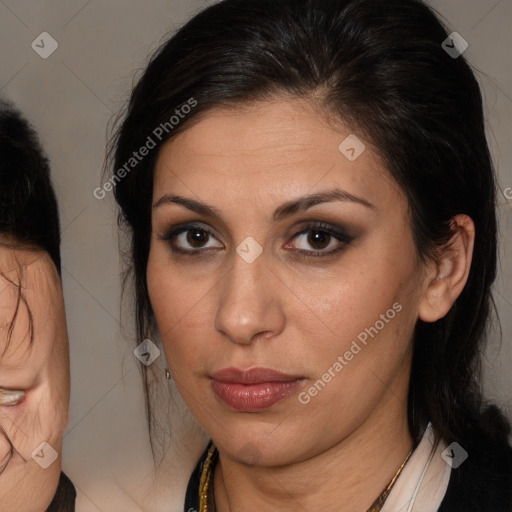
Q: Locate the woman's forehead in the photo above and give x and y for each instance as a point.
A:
(284, 147)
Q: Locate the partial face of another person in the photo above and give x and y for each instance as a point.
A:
(40, 369)
(331, 300)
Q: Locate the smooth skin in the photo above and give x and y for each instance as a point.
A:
(41, 370)
(290, 313)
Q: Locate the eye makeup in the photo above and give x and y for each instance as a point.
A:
(175, 233)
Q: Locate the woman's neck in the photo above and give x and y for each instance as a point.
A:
(347, 477)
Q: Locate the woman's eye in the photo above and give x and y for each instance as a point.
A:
(318, 240)
(190, 239)
(321, 240)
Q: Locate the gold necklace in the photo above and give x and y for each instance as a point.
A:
(206, 481)
(379, 502)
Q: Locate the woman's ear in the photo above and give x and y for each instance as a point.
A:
(448, 276)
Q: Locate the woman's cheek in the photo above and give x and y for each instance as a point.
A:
(14, 430)
(36, 420)
(5, 449)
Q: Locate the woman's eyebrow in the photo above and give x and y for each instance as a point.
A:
(283, 211)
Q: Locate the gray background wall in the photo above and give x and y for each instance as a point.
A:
(71, 97)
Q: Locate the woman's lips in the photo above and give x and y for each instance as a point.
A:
(254, 389)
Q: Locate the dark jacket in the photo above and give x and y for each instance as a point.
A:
(483, 482)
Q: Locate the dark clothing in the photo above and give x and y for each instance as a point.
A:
(64, 499)
(483, 483)
(192, 495)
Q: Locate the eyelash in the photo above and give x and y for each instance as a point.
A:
(321, 227)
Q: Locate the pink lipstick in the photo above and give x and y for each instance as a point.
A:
(254, 389)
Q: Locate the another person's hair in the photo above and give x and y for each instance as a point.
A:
(28, 207)
(380, 68)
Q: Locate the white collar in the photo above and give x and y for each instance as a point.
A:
(423, 482)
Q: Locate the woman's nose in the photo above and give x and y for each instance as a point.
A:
(250, 300)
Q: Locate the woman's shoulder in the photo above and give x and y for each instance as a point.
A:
(484, 480)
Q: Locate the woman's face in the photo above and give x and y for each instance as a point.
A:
(247, 287)
(40, 369)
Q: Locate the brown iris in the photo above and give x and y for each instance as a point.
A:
(319, 237)
(197, 237)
